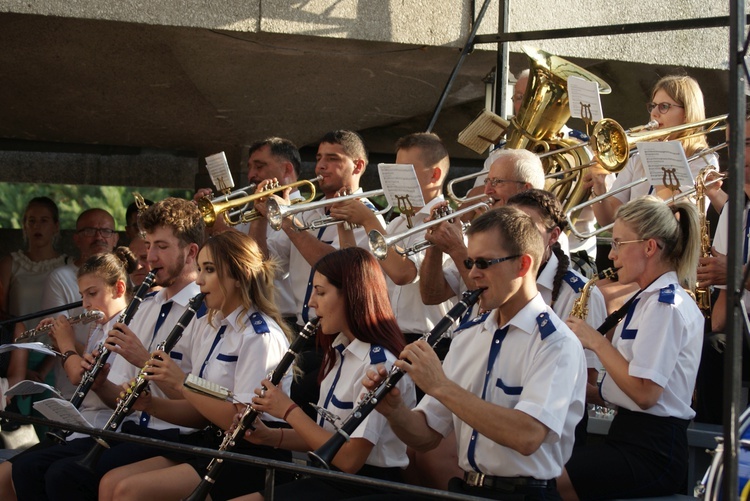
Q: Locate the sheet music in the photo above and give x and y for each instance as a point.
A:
(38, 347)
(398, 181)
(27, 387)
(583, 99)
(484, 131)
(666, 164)
(218, 169)
(56, 409)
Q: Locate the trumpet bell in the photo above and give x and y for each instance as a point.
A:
(378, 244)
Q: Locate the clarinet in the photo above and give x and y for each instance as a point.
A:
(140, 384)
(323, 456)
(87, 380)
(250, 414)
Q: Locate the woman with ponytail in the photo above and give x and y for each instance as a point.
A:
(651, 362)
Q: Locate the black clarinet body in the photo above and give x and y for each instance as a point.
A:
(323, 456)
(140, 383)
(89, 376)
(250, 414)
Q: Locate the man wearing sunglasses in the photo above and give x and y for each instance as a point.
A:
(512, 386)
(95, 233)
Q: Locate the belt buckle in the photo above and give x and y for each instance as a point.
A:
(474, 479)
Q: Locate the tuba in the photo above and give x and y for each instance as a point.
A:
(544, 112)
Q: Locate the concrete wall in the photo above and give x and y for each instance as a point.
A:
(428, 22)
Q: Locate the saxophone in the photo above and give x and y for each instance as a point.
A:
(581, 305)
(703, 294)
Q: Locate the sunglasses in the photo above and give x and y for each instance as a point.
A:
(482, 263)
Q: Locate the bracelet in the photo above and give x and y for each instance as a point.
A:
(289, 410)
(66, 356)
(281, 438)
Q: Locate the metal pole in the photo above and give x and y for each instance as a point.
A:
(501, 78)
(468, 47)
(735, 320)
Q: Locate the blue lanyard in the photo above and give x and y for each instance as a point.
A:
(217, 338)
(340, 349)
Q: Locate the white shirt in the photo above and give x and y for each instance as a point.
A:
(62, 288)
(341, 389)
(144, 324)
(721, 243)
(539, 370)
(570, 291)
(412, 315)
(240, 357)
(635, 170)
(300, 271)
(661, 338)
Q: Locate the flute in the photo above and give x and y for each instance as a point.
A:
(84, 318)
(250, 414)
(325, 453)
(140, 383)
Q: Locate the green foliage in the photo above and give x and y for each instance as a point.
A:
(74, 199)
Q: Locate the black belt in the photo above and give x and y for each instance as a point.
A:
(474, 479)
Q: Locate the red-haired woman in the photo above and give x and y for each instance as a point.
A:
(357, 331)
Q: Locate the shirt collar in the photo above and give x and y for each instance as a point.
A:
(666, 279)
(358, 348)
(524, 320)
(547, 277)
(183, 297)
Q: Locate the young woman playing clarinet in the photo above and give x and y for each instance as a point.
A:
(241, 339)
(357, 331)
(651, 362)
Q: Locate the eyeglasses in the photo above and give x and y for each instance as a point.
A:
(483, 263)
(494, 181)
(663, 107)
(90, 232)
(617, 243)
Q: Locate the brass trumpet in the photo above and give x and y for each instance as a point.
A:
(234, 207)
(277, 213)
(84, 318)
(380, 244)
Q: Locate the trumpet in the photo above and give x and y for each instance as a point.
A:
(689, 193)
(84, 318)
(380, 244)
(234, 207)
(277, 213)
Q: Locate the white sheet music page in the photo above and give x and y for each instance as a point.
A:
(583, 99)
(666, 164)
(27, 387)
(57, 409)
(38, 347)
(218, 169)
(400, 181)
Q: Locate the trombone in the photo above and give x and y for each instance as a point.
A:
(451, 195)
(632, 184)
(380, 244)
(234, 207)
(277, 213)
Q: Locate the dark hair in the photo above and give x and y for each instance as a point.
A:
(236, 255)
(432, 149)
(133, 209)
(553, 216)
(358, 276)
(182, 216)
(280, 147)
(111, 267)
(353, 144)
(517, 231)
(45, 202)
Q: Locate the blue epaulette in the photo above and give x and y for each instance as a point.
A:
(150, 294)
(546, 327)
(201, 311)
(580, 135)
(666, 295)
(474, 321)
(377, 354)
(259, 323)
(576, 283)
(368, 204)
